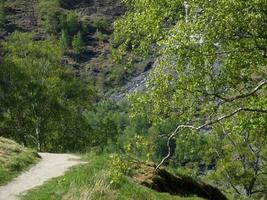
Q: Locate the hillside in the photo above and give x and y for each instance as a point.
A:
(94, 64)
(14, 159)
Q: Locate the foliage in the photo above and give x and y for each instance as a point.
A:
(49, 13)
(71, 23)
(101, 24)
(192, 149)
(107, 122)
(146, 23)
(140, 147)
(211, 68)
(65, 40)
(41, 101)
(119, 167)
(77, 43)
(240, 149)
(55, 21)
(101, 36)
(2, 13)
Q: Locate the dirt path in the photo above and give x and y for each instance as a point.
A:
(51, 165)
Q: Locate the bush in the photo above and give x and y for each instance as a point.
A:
(71, 23)
(77, 43)
(65, 40)
(119, 167)
(50, 15)
(101, 24)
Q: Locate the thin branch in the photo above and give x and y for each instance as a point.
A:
(242, 96)
(169, 141)
(228, 176)
(230, 99)
(258, 191)
(231, 183)
(229, 52)
(203, 126)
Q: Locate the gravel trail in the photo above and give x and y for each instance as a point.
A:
(50, 166)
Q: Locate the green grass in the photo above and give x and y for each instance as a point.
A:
(91, 181)
(14, 159)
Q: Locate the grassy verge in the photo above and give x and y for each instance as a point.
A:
(91, 181)
(14, 159)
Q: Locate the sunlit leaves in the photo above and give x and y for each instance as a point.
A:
(210, 52)
(42, 99)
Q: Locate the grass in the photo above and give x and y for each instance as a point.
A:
(91, 181)
(14, 159)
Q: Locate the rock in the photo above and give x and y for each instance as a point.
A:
(136, 84)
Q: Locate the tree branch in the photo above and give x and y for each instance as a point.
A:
(258, 191)
(231, 183)
(203, 126)
(242, 96)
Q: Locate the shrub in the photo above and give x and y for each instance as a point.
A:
(65, 39)
(50, 15)
(77, 43)
(71, 23)
(101, 24)
(119, 167)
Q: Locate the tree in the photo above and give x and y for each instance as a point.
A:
(241, 154)
(65, 39)
(31, 82)
(49, 13)
(146, 23)
(77, 43)
(107, 122)
(71, 23)
(211, 75)
(39, 97)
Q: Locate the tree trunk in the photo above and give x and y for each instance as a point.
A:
(37, 133)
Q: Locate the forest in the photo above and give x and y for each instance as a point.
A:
(199, 108)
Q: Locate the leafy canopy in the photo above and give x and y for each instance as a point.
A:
(211, 68)
(41, 100)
